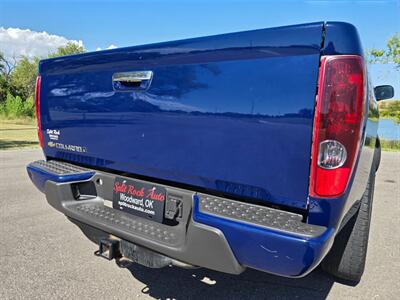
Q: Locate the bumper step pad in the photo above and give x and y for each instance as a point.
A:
(111, 218)
(258, 215)
(59, 168)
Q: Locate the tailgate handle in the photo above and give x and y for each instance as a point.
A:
(132, 81)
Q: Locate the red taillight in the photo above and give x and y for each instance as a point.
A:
(338, 120)
(37, 106)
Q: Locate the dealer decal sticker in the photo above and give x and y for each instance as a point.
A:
(138, 198)
(54, 136)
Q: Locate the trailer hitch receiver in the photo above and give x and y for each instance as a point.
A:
(108, 249)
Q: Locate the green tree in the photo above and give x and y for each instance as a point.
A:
(390, 109)
(4, 87)
(68, 49)
(389, 55)
(7, 65)
(24, 74)
(23, 77)
(17, 81)
(2, 63)
(15, 107)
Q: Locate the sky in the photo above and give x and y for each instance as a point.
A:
(38, 27)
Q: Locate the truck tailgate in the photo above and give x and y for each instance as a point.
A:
(231, 114)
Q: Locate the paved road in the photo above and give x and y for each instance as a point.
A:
(45, 256)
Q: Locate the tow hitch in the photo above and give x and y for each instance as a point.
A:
(108, 249)
(126, 253)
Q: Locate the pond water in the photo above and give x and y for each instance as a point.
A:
(388, 129)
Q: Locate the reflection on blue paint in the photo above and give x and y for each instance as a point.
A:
(230, 113)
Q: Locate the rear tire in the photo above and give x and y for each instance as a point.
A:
(346, 259)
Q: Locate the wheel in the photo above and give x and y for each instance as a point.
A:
(346, 259)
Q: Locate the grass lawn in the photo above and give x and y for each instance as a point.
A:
(390, 145)
(15, 134)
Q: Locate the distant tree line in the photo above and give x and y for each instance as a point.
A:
(390, 110)
(17, 82)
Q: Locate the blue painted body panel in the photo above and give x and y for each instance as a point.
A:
(342, 38)
(268, 250)
(40, 176)
(231, 114)
(217, 115)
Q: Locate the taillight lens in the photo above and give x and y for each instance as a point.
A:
(37, 110)
(338, 120)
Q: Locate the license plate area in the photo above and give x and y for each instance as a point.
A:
(146, 200)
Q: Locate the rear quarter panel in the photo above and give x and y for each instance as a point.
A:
(343, 38)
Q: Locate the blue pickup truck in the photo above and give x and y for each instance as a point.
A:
(255, 149)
